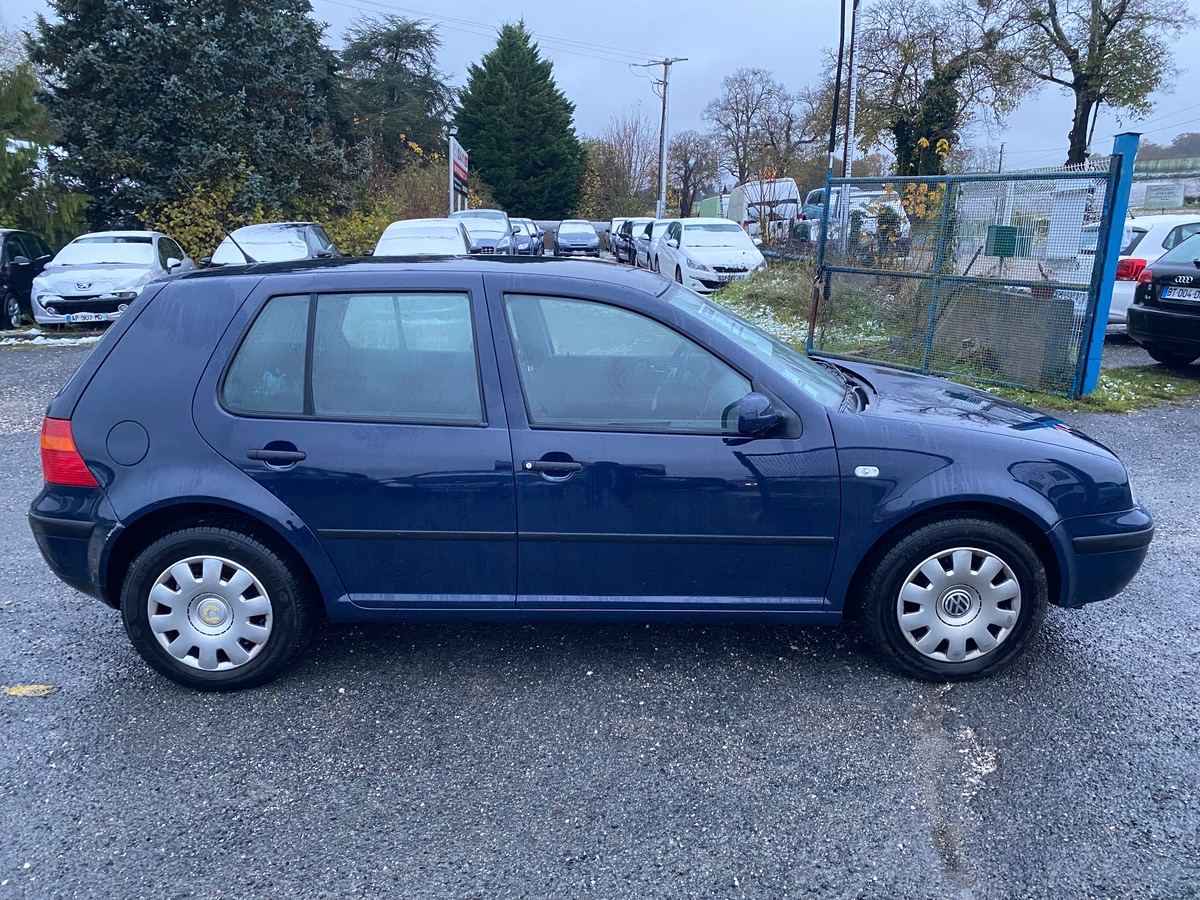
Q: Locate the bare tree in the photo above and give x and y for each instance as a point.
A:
(791, 126)
(1105, 52)
(631, 142)
(692, 162)
(739, 118)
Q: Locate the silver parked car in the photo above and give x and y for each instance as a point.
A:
(96, 276)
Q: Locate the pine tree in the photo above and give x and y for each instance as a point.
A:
(148, 95)
(518, 127)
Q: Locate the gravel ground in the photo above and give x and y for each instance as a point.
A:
(489, 761)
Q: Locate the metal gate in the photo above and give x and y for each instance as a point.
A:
(1003, 279)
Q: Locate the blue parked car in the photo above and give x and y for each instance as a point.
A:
(475, 438)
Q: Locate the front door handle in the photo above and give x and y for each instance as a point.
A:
(551, 466)
(276, 457)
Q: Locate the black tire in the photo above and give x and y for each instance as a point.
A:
(288, 623)
(678, 275)
(1014, 621)
(14, 311)
(1167, 358)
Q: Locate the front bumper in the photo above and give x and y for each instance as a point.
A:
(81, 310)
(1101, 554)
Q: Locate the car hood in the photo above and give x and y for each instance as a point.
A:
(725, 256)
(927, 401)
(99, 279)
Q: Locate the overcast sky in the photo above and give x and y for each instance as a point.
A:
(592, 43)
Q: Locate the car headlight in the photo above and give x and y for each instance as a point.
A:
(699, 266)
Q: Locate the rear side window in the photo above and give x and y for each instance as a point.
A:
(1180, 233)
(267, 374)
(404, 357)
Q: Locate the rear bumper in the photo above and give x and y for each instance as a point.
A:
(1102, 554)
(72, 527)
(1164, 329)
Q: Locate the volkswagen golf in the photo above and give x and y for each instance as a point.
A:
(533, 439)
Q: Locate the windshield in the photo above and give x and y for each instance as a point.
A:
(576, 230)
(137, 251)
(478, 225)
(715, 235)
(1186, 252)
(263, 245)
(413, 244)
(1130, 238)
(815, 381)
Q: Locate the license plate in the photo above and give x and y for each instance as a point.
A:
(734, 277)
(87, 317)
(1178, 293)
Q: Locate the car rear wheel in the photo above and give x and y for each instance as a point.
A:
(14, 315)
(954, 600)
(1167, 358)
(215, 610)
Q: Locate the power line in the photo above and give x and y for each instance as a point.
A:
(599, 52)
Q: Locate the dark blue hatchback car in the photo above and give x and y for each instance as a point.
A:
(245, 454)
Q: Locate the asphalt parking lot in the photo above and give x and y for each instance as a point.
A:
(497, 761)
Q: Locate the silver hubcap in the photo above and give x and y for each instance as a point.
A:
(210, 613)
(959, 604)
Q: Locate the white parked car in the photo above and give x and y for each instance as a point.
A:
(1145, 240)
(273, 242)
(704, 254)
(645, 244)
(775, 201)
(424, 237)
(96, 276)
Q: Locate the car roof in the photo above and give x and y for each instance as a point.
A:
(584, 270)
(708, 220)
(404, 224)
(92, 234)
(1165, 221)
(269, 226)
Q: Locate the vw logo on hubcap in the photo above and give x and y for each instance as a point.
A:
(957, 603)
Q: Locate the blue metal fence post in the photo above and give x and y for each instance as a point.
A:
(939, 263)
(1124, 150)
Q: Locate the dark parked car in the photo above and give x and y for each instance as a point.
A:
(623, 247)
(530, 238)
(386, 440)
(22, 258)
(274, 242)
(1165, 314)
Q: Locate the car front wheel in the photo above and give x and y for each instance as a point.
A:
(13, 314)
(678, 275)
(214, 609)
(954, 600)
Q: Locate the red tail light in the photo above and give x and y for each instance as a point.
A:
(746, 225)
(1130, 269)
(61, 462)
(1144, 276)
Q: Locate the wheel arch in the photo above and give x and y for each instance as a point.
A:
(1024, 526)
(155, 523)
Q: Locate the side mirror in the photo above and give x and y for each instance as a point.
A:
(756, 415)
(325, 254)
(644, 237)
(368, 253)
(205, 261)
(541, 232)
(673, 243)
(516, 229)
(474, 248)
(21, 260)
(173, 263)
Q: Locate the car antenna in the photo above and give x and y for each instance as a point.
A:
(249, 259)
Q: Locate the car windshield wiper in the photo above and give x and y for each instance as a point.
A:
(853, 391)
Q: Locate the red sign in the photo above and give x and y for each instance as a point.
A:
(458, 159)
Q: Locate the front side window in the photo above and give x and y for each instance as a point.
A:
(588, 365)
(405, 357)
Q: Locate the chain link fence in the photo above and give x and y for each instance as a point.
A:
(991, 277)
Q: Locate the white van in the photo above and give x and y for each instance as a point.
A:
(775, 202)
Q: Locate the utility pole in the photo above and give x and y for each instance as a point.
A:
(1000, 168)
(661, 206)
(851, 99)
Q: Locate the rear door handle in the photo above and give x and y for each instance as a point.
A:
(551, 466)
(277, 456)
